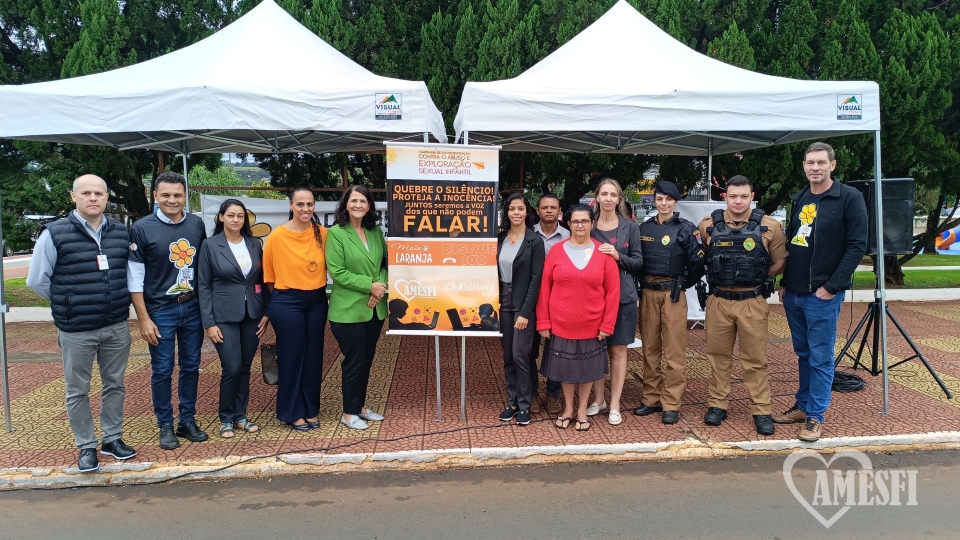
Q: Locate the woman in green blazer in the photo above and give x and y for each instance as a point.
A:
(356, 260)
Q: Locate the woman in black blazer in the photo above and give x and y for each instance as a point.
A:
(520, 255)
(231, 293)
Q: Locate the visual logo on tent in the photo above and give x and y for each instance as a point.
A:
(388, 107)
(850, 107)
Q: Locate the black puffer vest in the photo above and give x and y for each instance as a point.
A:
(737, 257)
(83, 297)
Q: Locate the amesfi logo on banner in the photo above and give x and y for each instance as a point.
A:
(388, 107)
(844, 489)
(850, 107)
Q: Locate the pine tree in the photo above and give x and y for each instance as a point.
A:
(326, 20)
(437, 67)
(733, 47)
(794, 34)
(103, 36)
(499, 55)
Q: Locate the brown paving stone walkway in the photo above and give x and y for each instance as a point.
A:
(402, 387)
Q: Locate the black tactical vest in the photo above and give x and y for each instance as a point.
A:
(83, 297)
(662, 254)
(737, 257)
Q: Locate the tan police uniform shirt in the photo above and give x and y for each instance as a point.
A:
(773, 239)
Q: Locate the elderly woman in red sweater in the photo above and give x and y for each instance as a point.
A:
(577, 310)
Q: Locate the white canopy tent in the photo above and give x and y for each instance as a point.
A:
(262, 84)
(625, 86)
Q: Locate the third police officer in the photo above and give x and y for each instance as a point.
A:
(746, 250)
(672, 262)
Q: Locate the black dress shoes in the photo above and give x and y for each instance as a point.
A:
(715, 416)
(671, 417)
(168, 440)
(764, 424)
(644, 410)
(88, 461)
(118, 449)
(191, 432)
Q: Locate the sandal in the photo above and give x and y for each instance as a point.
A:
(581, 423)
(246, 425)
(226, 430)
(562, 422)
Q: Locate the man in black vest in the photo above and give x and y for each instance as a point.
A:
(746, 250)
(672, 262)
(160, 277)
(79, 263)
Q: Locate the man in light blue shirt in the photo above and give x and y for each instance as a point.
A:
(80, 264)
(552, 233)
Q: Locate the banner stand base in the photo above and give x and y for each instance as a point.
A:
(463, 378)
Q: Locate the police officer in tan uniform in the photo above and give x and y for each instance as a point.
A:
(746, 250)
(672, 262)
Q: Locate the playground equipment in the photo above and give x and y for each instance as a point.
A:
(947, 238)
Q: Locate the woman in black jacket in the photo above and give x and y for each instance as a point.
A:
(520, 255)
(619, 238)
(231, 294)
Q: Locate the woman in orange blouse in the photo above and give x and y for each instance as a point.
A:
(295, 270)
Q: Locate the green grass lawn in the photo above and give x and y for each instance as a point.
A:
(934, 260)
(917, 279)
(925, 260)
(18, 295)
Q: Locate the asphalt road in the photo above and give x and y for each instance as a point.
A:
(735, 498)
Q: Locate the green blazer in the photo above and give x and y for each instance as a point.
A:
(354, 269)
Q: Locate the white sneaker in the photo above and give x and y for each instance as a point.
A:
(353, 423)
(370, 415)
(594, 409)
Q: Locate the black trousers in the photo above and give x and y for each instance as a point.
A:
(358, 343)
(553, 387)
(236, 355)
(299, 318)
(517, 352)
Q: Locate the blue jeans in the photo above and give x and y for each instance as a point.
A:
(813, 327)
(177, 323)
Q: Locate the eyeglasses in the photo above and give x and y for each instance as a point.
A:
(579, 222)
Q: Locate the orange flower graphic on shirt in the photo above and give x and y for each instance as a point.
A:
(181, 253)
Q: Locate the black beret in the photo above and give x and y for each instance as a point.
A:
(669, 189)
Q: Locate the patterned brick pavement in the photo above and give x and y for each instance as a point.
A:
(402, 387)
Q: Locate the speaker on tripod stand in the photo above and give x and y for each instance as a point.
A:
(897, 239)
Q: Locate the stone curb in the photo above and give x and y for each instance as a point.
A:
(117, 474)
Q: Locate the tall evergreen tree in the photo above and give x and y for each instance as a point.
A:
(733, 47)
(437, 67)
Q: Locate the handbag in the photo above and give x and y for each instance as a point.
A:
(268, 363)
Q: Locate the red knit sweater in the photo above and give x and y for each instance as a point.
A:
(578, 304)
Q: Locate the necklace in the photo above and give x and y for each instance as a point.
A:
(513, 240)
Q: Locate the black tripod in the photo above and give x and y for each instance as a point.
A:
(872, 323)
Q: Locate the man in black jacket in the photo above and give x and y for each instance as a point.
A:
(828, 238)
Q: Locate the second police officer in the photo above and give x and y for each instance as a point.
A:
(746, 249)
(672, 262)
